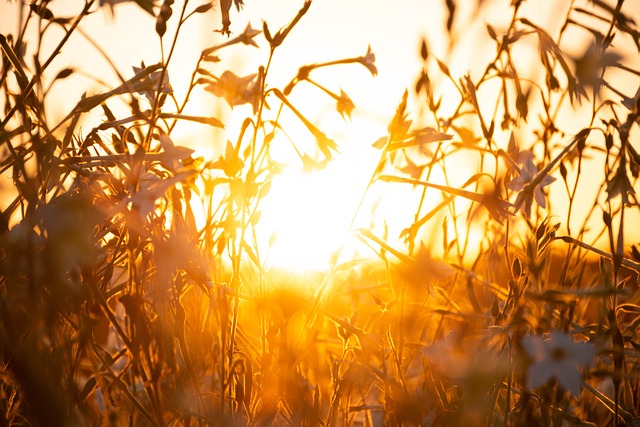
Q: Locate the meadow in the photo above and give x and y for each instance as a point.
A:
(135, 284)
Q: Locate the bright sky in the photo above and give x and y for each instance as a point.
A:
(324, 205)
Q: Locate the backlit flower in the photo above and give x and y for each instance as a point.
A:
(530, 185)
(234, 89)
(369, 61)
(344, 104)
(148, 85)
(172, 155)
(247, 36)
(557, 357)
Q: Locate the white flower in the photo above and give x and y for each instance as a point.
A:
(557, 357)
(530, 185)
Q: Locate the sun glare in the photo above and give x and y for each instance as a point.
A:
(305, 221)
(307, 216)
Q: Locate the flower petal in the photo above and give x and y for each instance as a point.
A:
(539, 196)
(539, 373)
(558, 339)
(534, 346)
(516, 184)
(581, 352)
(569, 378)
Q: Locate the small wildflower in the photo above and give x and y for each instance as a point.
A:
(247, 36)
(369, 61)
(172, 154)
(557, 357)
(399, 126)
(235, 90)
(530, 185)
(148, 85)
(230, 163)
(225, 6)
(345, 105)
(497, 207)
(590, 65)
(412, 169)
(325, 144)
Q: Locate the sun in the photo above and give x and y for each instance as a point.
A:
(302, 220)
(307, 217)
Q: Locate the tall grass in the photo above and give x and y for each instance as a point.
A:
(119, 306)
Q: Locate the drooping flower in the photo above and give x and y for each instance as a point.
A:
(369, 61)
(529, 185)
(557, 357)
(344, 104)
